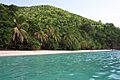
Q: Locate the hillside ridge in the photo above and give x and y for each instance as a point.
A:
(51, 28)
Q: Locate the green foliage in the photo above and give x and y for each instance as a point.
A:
(48, 27)
(34, 44)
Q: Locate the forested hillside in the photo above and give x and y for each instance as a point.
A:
(51, 28)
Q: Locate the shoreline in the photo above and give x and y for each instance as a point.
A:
(45, 52)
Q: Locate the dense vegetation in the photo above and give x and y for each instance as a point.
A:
(48, 27)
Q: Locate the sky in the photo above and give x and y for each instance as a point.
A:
(108, 11)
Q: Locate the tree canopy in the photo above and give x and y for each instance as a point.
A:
(48, 27)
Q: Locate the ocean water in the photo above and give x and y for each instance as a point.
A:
(79, 66)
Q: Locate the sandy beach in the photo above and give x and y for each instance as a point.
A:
(43, 52)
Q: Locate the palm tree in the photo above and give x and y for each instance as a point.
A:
(41, 36)
(54, 38)
(54, 33)
(47, 37)
(18, 32)
(20, 35)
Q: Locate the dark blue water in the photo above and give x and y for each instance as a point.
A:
(81, 66)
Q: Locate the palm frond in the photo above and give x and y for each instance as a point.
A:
(16, 33)
(20, 34)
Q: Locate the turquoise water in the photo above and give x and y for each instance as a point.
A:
(81, 66)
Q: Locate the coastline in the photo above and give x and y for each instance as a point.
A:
(45, 52)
